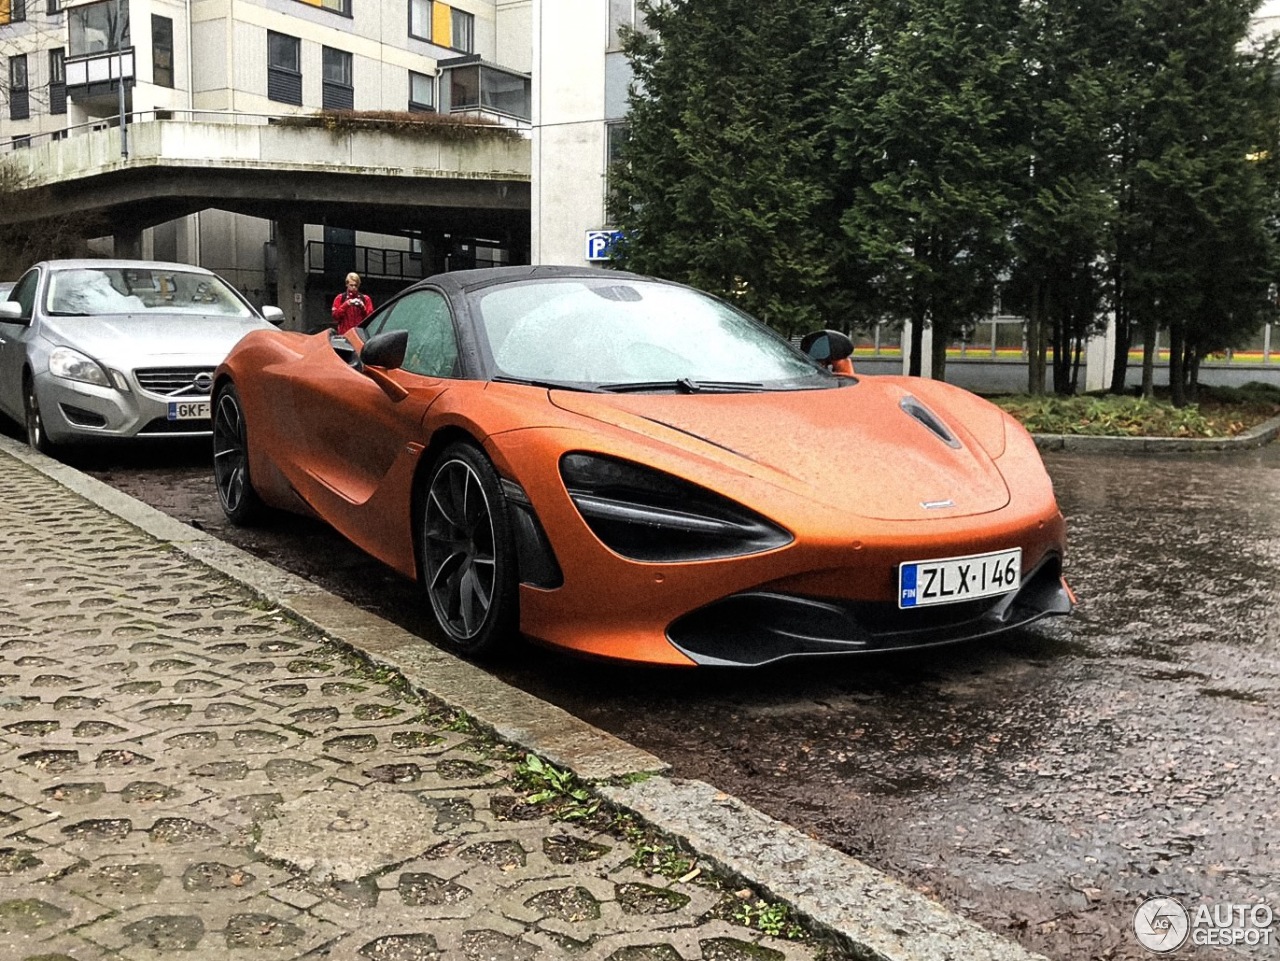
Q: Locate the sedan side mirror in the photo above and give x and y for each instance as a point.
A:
(273, 315)
(827, 346)
(11, 312)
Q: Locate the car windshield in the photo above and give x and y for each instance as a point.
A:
(89, 291)
(630, 334)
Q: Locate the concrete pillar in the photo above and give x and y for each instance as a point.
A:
(126, 243)
(291, 271)
(926, 348)
(1099, 353)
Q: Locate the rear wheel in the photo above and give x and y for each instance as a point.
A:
(467, 552)
(240, 502)
(33, 420)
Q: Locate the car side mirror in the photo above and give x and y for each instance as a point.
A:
(385, 350)
(827, 346)
(273, 315)
(11, 311)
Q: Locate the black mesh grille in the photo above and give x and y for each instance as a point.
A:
(162, 426)
(173, 380)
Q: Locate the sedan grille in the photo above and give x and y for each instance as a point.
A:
(176, 381)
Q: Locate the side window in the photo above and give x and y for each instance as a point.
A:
(25, 292)
(433, 348)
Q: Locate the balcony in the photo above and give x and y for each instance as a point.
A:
(95, 77)
(471, 86)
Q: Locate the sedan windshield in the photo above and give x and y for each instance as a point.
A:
(90, 291)
(633, 335)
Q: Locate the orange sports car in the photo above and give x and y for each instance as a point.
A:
(634, 469)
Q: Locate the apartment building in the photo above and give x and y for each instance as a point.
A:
(250, 62)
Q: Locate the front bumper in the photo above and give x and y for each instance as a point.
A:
(752, 628)
(77, 412)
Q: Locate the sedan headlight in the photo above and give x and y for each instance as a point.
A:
(646, 515)
(73, 365)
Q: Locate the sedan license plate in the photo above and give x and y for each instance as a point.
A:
(951, 580)
(188, 410)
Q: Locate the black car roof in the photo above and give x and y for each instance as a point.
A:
(465, 280)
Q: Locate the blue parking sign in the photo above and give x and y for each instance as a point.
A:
(600, 243)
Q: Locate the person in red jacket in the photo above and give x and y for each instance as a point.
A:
(351, 307)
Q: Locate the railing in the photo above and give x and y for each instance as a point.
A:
(397, 264)
(1004, 339)
(169, 113)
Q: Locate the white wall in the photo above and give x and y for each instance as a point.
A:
(569, 42)
(514, 41)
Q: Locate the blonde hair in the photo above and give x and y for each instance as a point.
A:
(354, 276)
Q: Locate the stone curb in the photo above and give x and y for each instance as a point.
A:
(876, 916)
(1258, 436)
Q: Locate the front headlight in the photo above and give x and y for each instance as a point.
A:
(73, 365)
(646, 515)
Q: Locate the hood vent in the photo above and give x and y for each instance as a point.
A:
(921, 413)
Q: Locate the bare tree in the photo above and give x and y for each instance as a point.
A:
(41, 237)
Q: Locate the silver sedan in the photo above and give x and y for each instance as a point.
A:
(109, 349)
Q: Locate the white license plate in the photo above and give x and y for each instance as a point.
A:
(953, 579)
(189, 410)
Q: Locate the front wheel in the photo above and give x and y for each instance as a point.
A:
(33, 420)
(240, 502)
(467, 552)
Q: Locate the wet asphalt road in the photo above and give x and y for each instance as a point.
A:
(1043, 784)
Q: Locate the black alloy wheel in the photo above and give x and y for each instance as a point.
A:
(33, 420)
(240, 502)
(467, 553)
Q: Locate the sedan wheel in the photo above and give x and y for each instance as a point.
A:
(240, 502)
(468, 562)
(36, 435)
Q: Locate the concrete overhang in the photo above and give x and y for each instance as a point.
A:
(475, 181)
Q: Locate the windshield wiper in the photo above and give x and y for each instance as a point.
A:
(548, 384)
(686, 385)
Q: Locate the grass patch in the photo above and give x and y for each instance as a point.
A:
(1220, 412)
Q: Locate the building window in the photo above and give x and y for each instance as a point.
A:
(21, 142)
(94, 28)
(464, 31)
(622, 13)
(476, 86)
(19, 98)
(14, 11)
(422, 93)
(161, 51)
(57, 81)
(284, 68)
(420, 19)
(616, 135)
(53, 6)
(338, 92)
(337, 6)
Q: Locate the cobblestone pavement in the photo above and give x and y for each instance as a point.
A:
(186, 771)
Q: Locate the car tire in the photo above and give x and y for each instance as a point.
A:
(240, 502)
(467, 552)
(33, 420)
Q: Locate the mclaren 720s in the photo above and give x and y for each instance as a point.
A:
(633, 469)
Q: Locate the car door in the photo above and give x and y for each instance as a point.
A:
(13, 344)
(360, 445)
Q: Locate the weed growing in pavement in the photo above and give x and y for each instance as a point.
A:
(661, 857)
(377, 674)
(459, 723)
(549, 784)
(772, 919)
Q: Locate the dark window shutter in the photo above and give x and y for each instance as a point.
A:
(284, 86)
